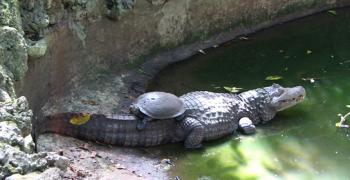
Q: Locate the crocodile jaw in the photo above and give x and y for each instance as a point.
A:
(289, 98)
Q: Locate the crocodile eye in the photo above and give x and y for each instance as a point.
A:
(276, 85)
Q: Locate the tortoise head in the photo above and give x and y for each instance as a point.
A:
(134, 109)
(283, 98)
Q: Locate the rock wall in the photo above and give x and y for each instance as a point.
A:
(16, 144)
(68, 39)
(48, 46)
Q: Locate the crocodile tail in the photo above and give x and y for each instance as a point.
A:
(116, 129)
(95, 127)
(56, 123)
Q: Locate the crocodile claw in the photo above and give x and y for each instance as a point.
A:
(198, 146)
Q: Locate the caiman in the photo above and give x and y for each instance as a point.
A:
(208, 116)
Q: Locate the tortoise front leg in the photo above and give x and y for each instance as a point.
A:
(141, 123)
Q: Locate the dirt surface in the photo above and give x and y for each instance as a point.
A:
(96, 161)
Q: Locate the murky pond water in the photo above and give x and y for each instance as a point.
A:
(301, 142)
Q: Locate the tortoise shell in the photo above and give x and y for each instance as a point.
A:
(159, 105)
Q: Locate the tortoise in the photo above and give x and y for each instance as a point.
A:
(157, 106)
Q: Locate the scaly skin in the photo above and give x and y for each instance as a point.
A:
(208, 116)
(116, 129)
(214, 115)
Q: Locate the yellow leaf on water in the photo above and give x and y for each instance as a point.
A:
(201, 51)
(273, 78)
(337, 124)
(333, 12)
(80, 119)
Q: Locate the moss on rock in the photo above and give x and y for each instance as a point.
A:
(13, 51)
(10, 14)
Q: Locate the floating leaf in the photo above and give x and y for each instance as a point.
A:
(243, 38)
(232, 89)
(338, 124)
(80, 119)
(273, 78)
(312, 80)
(201, 51)
(333, 12)
(348, 106)
(308, 51)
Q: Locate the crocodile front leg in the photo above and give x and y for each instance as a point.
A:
(246, 126)
(195, 133)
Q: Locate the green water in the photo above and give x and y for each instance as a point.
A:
(299, 143)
